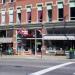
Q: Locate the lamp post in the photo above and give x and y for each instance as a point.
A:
(1, 49)
(35, 42)
(43, 32)
(42, 35)
(43, 48)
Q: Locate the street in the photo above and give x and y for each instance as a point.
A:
(22, 66)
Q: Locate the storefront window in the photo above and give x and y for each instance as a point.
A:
(9, 33)
(2, 33)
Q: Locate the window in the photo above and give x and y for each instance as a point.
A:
(38, 33)
(3, 1)
(3, 17)
(28, 14)
(8, 33)
(60, 11)
(2, 33)
(11, 0)
(72, 9)
(40, 13)
(49, 12)
(18, 15)
(11, 16)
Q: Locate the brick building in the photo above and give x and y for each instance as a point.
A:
(29, 24)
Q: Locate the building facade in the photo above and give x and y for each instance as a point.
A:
(26, 25)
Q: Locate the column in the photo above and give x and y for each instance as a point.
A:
(15, 41)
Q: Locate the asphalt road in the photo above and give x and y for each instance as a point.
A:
(19, 66)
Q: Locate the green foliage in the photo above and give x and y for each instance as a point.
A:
(71, 49)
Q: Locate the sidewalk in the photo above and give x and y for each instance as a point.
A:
(48, 57)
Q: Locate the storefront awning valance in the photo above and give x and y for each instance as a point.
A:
(6, 40)
(59, 37)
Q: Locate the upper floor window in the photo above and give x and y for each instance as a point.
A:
(18, 15)
(40, 13)
(28, 9)
(60, 0)
(3, 1)
(72, 9)
(11, 0)
(3, 17)
(60, 11)
(49, 12)
(11, 16)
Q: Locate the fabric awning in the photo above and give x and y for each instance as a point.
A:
(6, 40)
(59, 37)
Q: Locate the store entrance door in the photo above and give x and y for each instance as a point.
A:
(4, 47)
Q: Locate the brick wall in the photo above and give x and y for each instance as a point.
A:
(66, 9)
(34, 3)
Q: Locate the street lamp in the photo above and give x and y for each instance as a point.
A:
(42, 35)
(35, 43)
(1, 49)
(44, 32)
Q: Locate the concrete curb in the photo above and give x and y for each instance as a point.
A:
(46, 57)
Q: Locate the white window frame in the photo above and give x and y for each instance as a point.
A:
(59, 1)
(69, 12)
(61, 4)
(28, 10)
(57, 8)
(20, 9)
(11, 12)
(48, 3)
(3, 2)
(11, 2)
(39, 10)
(3, 11)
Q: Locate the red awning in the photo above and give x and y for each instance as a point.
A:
(22, 32)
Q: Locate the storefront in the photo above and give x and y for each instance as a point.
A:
(6, 41)
(57, 37)
(29, 37)
(28, 40)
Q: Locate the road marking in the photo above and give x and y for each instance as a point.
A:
(41, 72)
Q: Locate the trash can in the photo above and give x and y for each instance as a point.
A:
(71, 54)
(74, 54)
